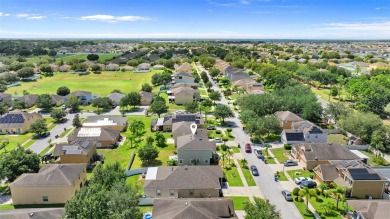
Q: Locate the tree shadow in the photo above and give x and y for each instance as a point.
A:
(153, 163)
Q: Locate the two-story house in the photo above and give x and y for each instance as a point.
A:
(85, 97)
(76, 152)
(166, 124)
(17, 122)
(287, 118)
(303, 131)
(183, 95)
(182, 77)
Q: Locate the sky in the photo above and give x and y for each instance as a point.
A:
(200, 19)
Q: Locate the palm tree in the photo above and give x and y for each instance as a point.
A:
(136, 126)
(307, 194)
(244, 163)
(323, 187)
(132, 138)
(223, 156)
(229, 154)
(339, 194)
(266, 148)
(327, 206)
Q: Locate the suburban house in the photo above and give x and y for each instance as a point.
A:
(146, 98)
(191, 85)
(221, 65)
(368, 209)
(255, 88)
(85, 97)
(17, 122)
(361, 181)
(115, 98)
(182, 77)
(303, 131)
(113, 122)
(287, 118)
(196, 149)
(77, 152)
(5, 98)
(314, 154)
(103, 136)
(158, 67)
(143, 67)
(183, 95)
(53, 184)
(185, 67)
(28, 100)
(57, 99)
(183, 182)
(166, 124)
(32, 213)
(180, 129)
(234, 74)
(193, 208)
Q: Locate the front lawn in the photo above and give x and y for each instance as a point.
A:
(14, 141)
(231, 174)
(239, 201)
(304, 173)
(65, 132)
(146, 209)
(279, 154)
(301, 206)
(321, 201)
(281, 176)
(248, 177)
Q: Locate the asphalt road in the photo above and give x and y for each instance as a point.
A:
(268, 186)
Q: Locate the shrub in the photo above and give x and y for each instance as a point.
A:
(97, 72)
(295, 191)
(217, 147)
(300, 199)
(318, 192)
(218, 131)
(233, 165)
(287, 146)
(224, 147)
(225, 138)
(113, 146)
(228, 167)
(229, 129)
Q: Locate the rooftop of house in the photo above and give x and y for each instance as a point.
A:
(185, 74)
(306, 127)
(16, 119)
(371, 209)
(324, 151)
(105, 120)
(32, 213)
(29, 98)
(199, 141)
(51, 175)
(195, 118)
(75, 148)
(145, 94)
(184, 90)
(80, 93)
(184, 85)
(287, 116)
(94, 134)
(185, 67)
(116, 96)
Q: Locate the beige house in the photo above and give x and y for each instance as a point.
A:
(28, 100)
(183, 182)
(287, 118)
(57, 99)
(183, 95)
(32, 213)
(78, 152)
(146, 98)
(166, 124)
(314, 154)
(106, 121)
(191, 85)
(361, 181)
(185, 67)
(17, 122)
(53, 184)
(103, 136)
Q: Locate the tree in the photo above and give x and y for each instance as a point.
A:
(337, 193)
(312, 112)
(380, 139)
(134, 99)
(244, 163)
(38, 127)
(214, 96)
(191, 107)
(223, 111)
(136, 127)
(209, 85)
(271, 124)
(92, 57)
(73, 103)
(214, 72)
(160, 140)
(158, 106)
(25, 72)
(46, 68)
(3, 108)
(323, 187)
(335, 111)
(57, 114)
(261, 208)
(76, 121)
(307, 194)
(229, 154)
(267, 147)
(156, 79)
(165, 78)
(334, 91)
(17, 162)
(63, 91)
(148, 153)
(52, 53)
(204, 76)
(146, 87)
(96, 68)
(45, 101)
(104, 103)
(18, 104)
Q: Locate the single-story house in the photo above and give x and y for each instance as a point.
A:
(303, 131)
(76, 152)
(146, 98)
(53, 184)
(166, 124)
(183, 95)
(287, 118)
(368, 209)
(112, 67)
(116, 98)
(106, 121)
(57, 99)
(5, 98)
(183, 182)
(314, 154)
(28, 100)
(193, 208)
(17, 122)
(196, 149)
(32, 213)
(85, 97)
(143, 67)
(158, 67)
(103, 136)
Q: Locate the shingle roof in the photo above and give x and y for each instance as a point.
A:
(371, 209)
(56, 98)
(325, 151)
(51, 175)
(306, 127)
(181, 128)
(186, 177)
(32, 213)
(199, 141)
(80, 93)
(184, 90)
(106, 134)
(186, 74)
(147, 95)
(29, 98)
(116, 96)
(202, 208)
(185, 67)
(327, 172)
(6, 120)
(287, 116)
(83, 146)
(184, 85)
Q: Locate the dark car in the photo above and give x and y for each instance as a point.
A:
(288, 163)
(211, 128)
(46, 134)
(308, 183)
(287, 195)
(254, 170)
(258, 153)
(248, 148)
(63, 120)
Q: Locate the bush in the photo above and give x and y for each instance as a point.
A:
(295, 191)
(233, 165)
(229, 129)
(217, 147)
(300, 199)
(113, 146)
(228, 167)
(97, 72)
(225, 138)
(318, 192)
(224, 147)
(218, 131)
(287, 146)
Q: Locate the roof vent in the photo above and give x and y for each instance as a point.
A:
(31, 214)
(186, 203)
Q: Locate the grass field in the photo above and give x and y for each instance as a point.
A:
(279, 154)
(65, 58)
(239, 201)
(337, 138)
(102, 84)
(15, 140)
(236, 149)
(304, 173)
(170, 105)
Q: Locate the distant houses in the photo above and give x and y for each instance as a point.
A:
(17, 122)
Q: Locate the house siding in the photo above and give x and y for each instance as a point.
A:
(309, 165)
(183, 99)
(363, 189)
(187, 155)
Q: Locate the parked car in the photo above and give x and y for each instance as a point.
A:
(308, 183)
(211, 127)
(248, 148)
(218, 140)
(299, 180)
(287, 195)
(288, 163)
(258, 153)
(46, 134)
(63, 120)
(254, 170)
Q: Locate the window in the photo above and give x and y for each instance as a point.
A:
(45, 198)
(158, 192)
(181, 161)
(191, 191)
(316, 136)
(206, 160)
(172, 192)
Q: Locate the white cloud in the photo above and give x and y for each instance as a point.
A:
(245, 2)
(3, 14)
(31, 16)
(113, 19)
(22, 15)
(36, 17)
(375, 26)
(382, 8)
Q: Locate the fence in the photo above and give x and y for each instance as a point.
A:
(146, 201)
(358, 147)
(131, 161)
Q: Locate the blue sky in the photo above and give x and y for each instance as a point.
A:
(260, 19)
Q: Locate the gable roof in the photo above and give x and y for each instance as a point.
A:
(327, 172)
(184, 85)
(94, 134)
(76, 148)
(116, 96)
(181, 128)
(184, 90)
(371, 209)
(185, 67)
(146, 95)
(193, 118)
(186, 177)
(293, 135)
(287, 116)
(17, 119)
(199, 141)
(80, 93)
(185, 74)
(57, 98)
(194, 208)
(32, 213)
(29, 98)
(51, 175)
(306, 127)
(105, 120)
(324, 151)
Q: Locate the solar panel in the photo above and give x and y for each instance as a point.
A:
(353, 163)
(344, 163)
(363, 174)
(12, 118)
(295, 136)
(85, 144)
(73, 152)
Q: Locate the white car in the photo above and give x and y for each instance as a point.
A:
(301, 179)
(218, 140)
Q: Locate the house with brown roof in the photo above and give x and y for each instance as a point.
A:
(303, 131)
(17, 122)
(182, 77)
(53, 184)
(191, 85)
(29, 100)
(360, 180)
(146, 98)
(143, 67)
(314, 154)
(106, 121)
(369, 209)
(158, 67)
(183, 182)
(166, 124)
(180, 129)
(185, 67)
(286, 118)
(57, 99)
(76, 152)
(5, 98)
(196, 149)
(103, 136)
(193, 208)
(183, 95)
(32, 213)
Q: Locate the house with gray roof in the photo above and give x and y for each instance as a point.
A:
(146, 98)
(29, 100)
(76, 152)
(57, 99)
(182, 77)
(368, 209)
(5, 98)
(116, 98)
(183, 95)
(185, 67)
(234, 74)
(166, 124)
(183, 182)
(32, 213)
(106, 121)
(303, 131)
(143, 67)
(103, 136)
(85, 97)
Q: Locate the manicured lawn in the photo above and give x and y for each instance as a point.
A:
(136, 181)
(102, 57)
(65, 132)
(46, 150)
(213, 134)
(279, 154)
(301, 206)
(232, 175)
(324, 94)
(120, 154)
(317, 204)
(14, 140)
(248, 177)
(203, 92)
(337, 138)
(270, 160)
(304, 173)
(372, 161)
(282, 177)
(170, 105)
(146, 209)
(101, 84)
(6, 207)
(29, 143)
(236, 149)
(239, 201)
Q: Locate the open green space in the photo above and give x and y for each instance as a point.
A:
(101, 84)
(14, 141)
(239, 201)
(319, 202)
(303, 173)
(171, 105)
(282, 176)
(279, 154)
(47, 149)
(337, 138)
(248, 177)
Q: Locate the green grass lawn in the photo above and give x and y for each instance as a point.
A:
(3, 187)
(101, 84)
(65, 132)
(372, 161)
(232, 175)
(337, 138)
(317, 204)
(46, 150)
(324, 94)
(213, 134)
(248, 177)
(279, 154)
(203, 92)
(170, 105)
(6, 207)
(14, 140)
(236, 149)
(146, 209)
(136, 181)
(304, 173)
(301, 206)
(29, 143)
(282, 177)
(239, 201)
(270, 160)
